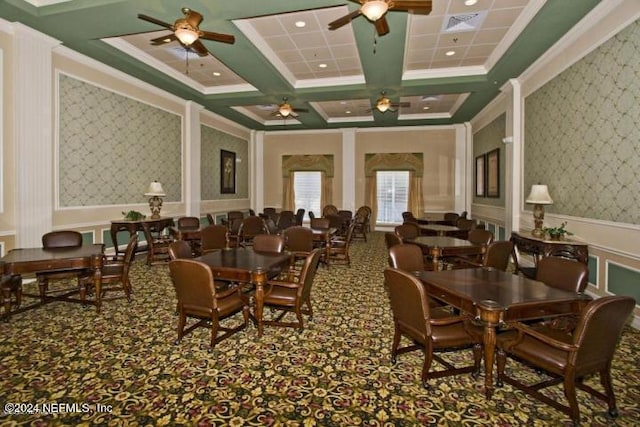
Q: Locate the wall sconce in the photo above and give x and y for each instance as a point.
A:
(539, 197)
(155, 202)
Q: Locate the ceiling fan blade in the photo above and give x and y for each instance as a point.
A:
(164, 39)
(301, 110)
(193, 18)
(401, 104)
(155, 21)
(414, 6)
(382, 27)
(344, 20)
(218, 37)
(199, 48)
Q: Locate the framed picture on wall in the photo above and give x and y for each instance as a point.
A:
(493, 173)
(480, 176)
(227, 172)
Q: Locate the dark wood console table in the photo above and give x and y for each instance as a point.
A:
(132, 227)
(538, 248)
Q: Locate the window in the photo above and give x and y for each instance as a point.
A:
(393, 194)
(307, 187)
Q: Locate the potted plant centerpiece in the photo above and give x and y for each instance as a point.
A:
(557, 233)
(133, 216)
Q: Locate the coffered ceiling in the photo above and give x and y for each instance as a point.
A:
(439, 68)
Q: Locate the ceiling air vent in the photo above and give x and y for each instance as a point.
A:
(463, 22)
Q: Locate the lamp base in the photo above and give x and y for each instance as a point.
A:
(155, 204)
(538, 219)
(537, 232)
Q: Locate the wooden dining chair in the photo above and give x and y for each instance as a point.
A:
(293, 296)
(286, 219)
(320, 223)
(429, 330)
(62, 239)
(273, 243)
(199, 299)
(408, 230)
(298, 241)
(568, 358)
(115, 271)
(213, 238)
(11, 292)
(157, 243)
(180, 249)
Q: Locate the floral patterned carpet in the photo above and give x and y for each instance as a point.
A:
(122, 368)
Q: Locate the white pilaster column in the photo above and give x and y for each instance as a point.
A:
(463, 139)
(192, 150)
(348, 171)
(468, 165)
(33, 112)
(513, 148)
(256, 179)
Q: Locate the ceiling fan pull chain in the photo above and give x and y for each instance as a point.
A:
(186, 56)
(375, 41)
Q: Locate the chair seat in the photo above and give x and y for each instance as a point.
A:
(281, 296)
(551, 359)
(112, 270)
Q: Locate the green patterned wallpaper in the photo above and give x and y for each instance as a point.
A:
(212, 142)
(582, 133)
(487, 139)
(111, 147)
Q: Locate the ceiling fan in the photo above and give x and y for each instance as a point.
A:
(384, 104)
(186, 31)
(285, 110)
(375, 11)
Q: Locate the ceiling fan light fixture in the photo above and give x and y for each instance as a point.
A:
(383, 104)
(285, 110)
(185, 33)
(374, 9)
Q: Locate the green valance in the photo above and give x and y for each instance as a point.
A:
(374, 162)
(312, 162)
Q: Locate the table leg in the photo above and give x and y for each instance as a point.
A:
(489, 342)
(96, 264)
(435, 259)
(490, 314)
(327, 239)
(6, 301)
(259, 277)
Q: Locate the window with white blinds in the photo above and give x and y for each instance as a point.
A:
(393, 195)
(307, 187)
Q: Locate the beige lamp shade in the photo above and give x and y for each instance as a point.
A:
(539, 195)
(155, 189)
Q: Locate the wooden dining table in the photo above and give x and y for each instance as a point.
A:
(441, 230)
(40, 260)
(440, 247)
(495, 298)
(247, 266)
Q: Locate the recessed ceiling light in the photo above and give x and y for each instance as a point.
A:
(348, 112)
(217, 74)
(323, 65)
(470, 2)
(425, 108)
(450, 53)
(300, 24)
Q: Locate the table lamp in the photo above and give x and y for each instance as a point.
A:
(539, 197)
(155, 202)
